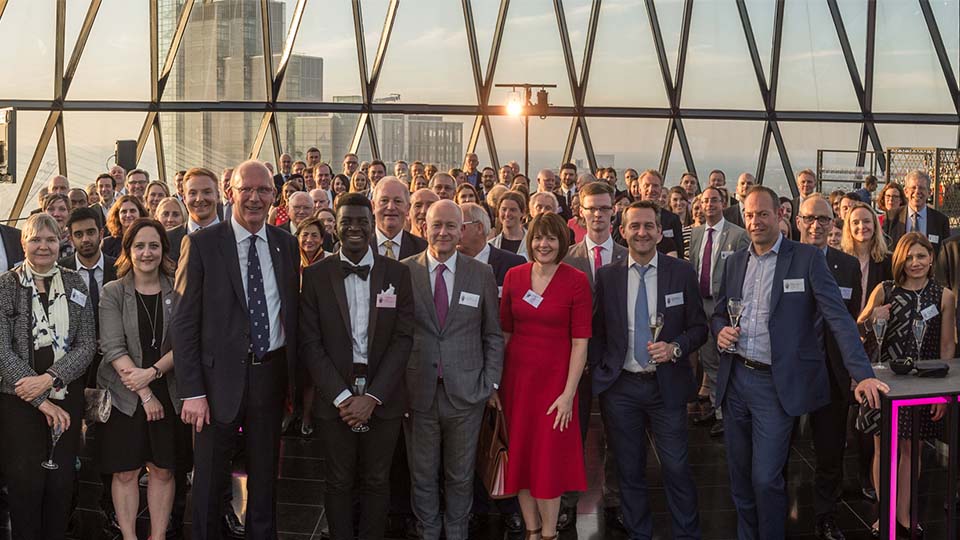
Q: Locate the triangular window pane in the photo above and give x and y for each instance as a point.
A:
(718, 52)
(365, 152)
(625, 80)
(947, 13)
(670, 17)
(774, 176)
(908, 76)
(547, 140)
(116, 59)
(481, 150)
(323, 64)
(762, 14)
(76, 11)
(374, 15)
(214, 140)
(577, 15)
(415, 51)
(485, 22)
(731, 146)
(49, 166)
(267, 151)
(893, 135)
(27, 50)
(854, 14)
(630, 142)
(92, 137)
(676, 165)
(580, 159)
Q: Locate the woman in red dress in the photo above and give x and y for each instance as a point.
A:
(546, 314)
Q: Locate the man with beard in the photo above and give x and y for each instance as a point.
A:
(200, 198)
(420, 201)
(568, 183)
(488, 179)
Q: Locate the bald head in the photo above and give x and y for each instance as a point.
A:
(59, 185)
(420, 202)
(444, 224)
(253, 194)
(814, 220)
(546, 180)
(320, 199)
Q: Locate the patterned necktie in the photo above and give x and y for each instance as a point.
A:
(388, 249)
(257, 303)
(705, 265)
(441, 304)
(916, 222)
(641, 321)
(597, 259)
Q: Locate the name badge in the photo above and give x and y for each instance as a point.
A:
(668, 233)
(78, 298)
(929, 312)
(532, 298)
(934, 239)
(387, 301)
(499, 292)
(675, 299)
(793, 285)
(469, 299)
(725, 254)
(846, 292)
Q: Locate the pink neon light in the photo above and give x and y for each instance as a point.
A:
(894, 436)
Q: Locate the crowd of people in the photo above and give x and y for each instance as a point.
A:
(388, 314)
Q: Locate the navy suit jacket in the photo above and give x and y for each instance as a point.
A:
(12, 246)
(796, 327)
(685, 324)
(502, 260)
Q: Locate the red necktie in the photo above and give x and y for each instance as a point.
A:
(705, 265)
(597, 259)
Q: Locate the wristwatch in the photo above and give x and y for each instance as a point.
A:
(57, 381)
(676, 351)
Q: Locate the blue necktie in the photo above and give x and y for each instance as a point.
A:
(257, 302)
(641, 321)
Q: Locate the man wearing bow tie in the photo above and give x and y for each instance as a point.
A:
(366, 339)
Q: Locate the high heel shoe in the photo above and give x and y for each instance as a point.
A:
(904, 532)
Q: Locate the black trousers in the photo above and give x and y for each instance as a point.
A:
(39, 499)
(260, 414)
(829, 426)
(365, 457)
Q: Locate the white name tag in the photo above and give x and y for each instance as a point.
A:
(78, 298)
(387, 301)
(793, 285)
(725, 254)
(532, 298)
(846, 292)
(668, 233)
(499, 292)
(934, 239)
(675, 299)
(469, 299)
(929, 312)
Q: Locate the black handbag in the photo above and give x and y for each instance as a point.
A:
(868, 420)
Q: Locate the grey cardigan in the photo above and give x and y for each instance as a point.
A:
(16, 335)
(120, 335)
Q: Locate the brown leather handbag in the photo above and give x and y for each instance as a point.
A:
(492, 453)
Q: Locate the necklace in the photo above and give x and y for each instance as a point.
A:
(152, 319)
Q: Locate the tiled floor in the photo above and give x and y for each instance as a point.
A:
(301, 514)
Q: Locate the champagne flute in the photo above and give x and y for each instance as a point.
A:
(55, 434)
(919, 329)
(734, 310)
(656, 325)
(879, 329)
(359, 389)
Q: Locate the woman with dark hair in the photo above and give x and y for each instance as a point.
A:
(340, 184)
(280, 214)
(545, 313)
(329, 221)
(511, 212)
(911, 299)
(122, 214)
(136, 369)
(310, 236)
(680, 205)
(47, 340)
(466, 193)
(890, 198)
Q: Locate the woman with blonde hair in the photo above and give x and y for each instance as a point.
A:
(171, 213)
(156, 191)
(863, 239)
(359, 183)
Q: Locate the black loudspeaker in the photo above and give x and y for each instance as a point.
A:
(127, 154)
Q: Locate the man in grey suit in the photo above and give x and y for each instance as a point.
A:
(596, 250)
(710, 245)
(454, 369)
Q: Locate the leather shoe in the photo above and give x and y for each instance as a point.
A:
(904, 532)
(826, 529)
(613, 518)
(513, 522)
(567, 518)
(412, 528)
(717, 430)
(708, 417)
(232, 527)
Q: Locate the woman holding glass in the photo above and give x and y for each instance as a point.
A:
(136, 370)
(47, 340)
(921, 324)
(122, 214)
(546, 316)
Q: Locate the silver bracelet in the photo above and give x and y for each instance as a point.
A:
(147, 400)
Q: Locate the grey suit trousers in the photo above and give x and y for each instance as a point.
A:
(710, 359)
(446, 437)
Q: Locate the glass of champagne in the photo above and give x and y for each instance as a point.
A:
(919, 329)
(359, 389)
(656, 325)
(879, 329)
(734, 310)
(55, 434)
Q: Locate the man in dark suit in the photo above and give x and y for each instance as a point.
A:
(651, 187)
(11, 249)
(916, 215)
(105, 189)
(200, 196)
(778, 371)
(829, 422)
(644, 380)
(391, 204)
(235, 332)
(734, 212)
(369, 335)
(547, 182)
(285, 166)
(807, 186)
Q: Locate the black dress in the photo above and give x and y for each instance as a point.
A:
(906, 306)
(130, 442)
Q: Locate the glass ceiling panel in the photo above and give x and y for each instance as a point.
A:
(676, 165)
(28, 54)
(577, 14)
(627, 142)
(774, 176)
(803, 139)
(854, 14)
(947, 13)
(892, 135)
(731, 146)
(374, 14)
(670, 17)
(330, 132)
(118, 37)
(91, 143)
(547, 139)
(762, 14)
(214, 140)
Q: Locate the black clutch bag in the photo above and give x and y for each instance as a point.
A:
(868, 420)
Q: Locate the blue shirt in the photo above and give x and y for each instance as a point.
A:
(754, 343)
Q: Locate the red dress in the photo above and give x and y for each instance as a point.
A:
(548, 462)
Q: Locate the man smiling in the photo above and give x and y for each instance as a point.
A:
(201, 198)
(391, 204)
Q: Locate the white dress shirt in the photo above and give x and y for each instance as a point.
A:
(97, 272)
(484, 255)
(715, 253)
(270, 288)
(358, 303)
(633, 286)
(193, 226)
(606, 252)
(432, 265)
(382, 249)
(922, 221)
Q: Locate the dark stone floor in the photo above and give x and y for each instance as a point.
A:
(301, 513)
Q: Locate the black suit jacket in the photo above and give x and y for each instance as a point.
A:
(672, 229)
(326, 339)
(563, 207)
(12, 246)
(895, 226)
(878, 272)
(733, 215)
(410, 245)
(111, 246)
(846, 271)
(175, 236)
(109, 266)
(684, 323)
(211, 325)
(502, 260)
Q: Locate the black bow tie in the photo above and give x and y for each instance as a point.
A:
(361, 271)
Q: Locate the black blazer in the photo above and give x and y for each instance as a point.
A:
(502, 260)
(211, 325)
(895, 226)
(846, 270)
(948, 263)
(326, 340)
(109, 266)
(175, 237)
(733, 215)
(111, 246)
(878, 272)
(685, 324)
(12, 246)
(410, 245)
(670, 225)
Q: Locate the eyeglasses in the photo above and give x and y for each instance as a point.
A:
(248, 191)
(596, 209)
(822, 220)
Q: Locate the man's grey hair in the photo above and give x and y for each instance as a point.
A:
(545, 194)
(474, 212)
